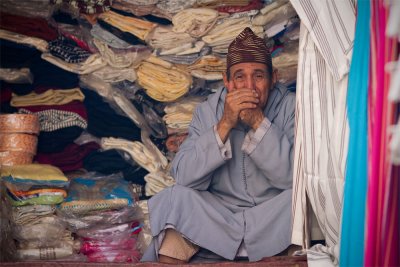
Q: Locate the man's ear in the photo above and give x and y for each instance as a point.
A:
(274, 76)
(228, 83)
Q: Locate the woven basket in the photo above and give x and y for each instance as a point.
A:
(11, 158)
(18, 142)
(19, 123)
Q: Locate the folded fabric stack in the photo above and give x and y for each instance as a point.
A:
(18, 138)
(139, 8)
(62, 116)
(209, 68)
(148, 156)
(32, 190)
(195, 21)
(101, 211)
(138, 27)
(86, 6)
(226, 30)
(179, 114)
(163, 82)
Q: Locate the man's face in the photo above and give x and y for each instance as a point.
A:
(250, 76)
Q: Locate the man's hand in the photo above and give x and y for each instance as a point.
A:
(236, 101)
(252, 117)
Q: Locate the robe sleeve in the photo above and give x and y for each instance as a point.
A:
(199, 156)
(271, 148)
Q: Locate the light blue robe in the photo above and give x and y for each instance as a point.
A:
(218, 202)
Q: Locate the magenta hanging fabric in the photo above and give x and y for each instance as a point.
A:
(382, 196)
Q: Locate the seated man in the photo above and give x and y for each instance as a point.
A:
(234, 171)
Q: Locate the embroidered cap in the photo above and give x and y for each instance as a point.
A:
(248, 47)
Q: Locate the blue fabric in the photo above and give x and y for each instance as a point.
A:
(355, 189)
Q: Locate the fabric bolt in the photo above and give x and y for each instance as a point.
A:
(156, 182)
(226, 30)
(49, 253)
(52, 120)
(141, 154)
(355, 189)
(123, 58)
(138, 27)
(322, 129)
(103, 121)
(99, 33)
(219, 3)
(57, 140)
(40, 8)
(40, 199)
(112, 75)
(195, 21)
(163, 84)
(71, 158)
(164, 37)
(188, 48)
(184, 60)
(92, 63)
(22, 75)
(211, 67)
(38, 43)
(35, 172)
(75, 106)
(68, 50)
(179, 114)
(86, 6)
(50, 97)
(30, 213)
(252, 5)
(174, 6)
(127, 37)
(382, 217)
(139, 10)
(275, 16)
(110, 161)
(34, 27)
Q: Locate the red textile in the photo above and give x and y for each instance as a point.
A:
(254, 4)
(70, 159)
(36, 27)
(74, 106)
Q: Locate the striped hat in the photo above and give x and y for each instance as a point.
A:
(248, 47)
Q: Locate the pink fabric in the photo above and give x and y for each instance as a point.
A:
(382, 208)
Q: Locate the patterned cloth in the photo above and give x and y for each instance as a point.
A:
(68, 50)
(87, 6)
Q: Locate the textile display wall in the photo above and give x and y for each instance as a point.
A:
(113, 86)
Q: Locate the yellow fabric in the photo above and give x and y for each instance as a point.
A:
(163, 84)
(50, 97)
(138, 27)
(34, 171)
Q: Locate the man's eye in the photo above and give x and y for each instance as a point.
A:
(239, 77)
(259, 76)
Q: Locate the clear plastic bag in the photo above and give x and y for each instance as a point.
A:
(76, 222)
(131, 256)
(97, 192)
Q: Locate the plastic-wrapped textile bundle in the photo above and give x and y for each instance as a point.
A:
(195, 21)
(162, 81)
(209, 67)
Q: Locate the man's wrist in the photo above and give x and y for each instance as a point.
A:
(223, 130)
(258, 120)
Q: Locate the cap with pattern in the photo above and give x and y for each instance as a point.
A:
(248, 47)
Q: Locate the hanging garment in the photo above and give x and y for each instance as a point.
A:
(326, 42)
(382, 221)
(356, 172)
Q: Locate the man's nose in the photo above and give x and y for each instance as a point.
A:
(250, 84)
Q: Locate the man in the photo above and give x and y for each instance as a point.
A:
(234, 171)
